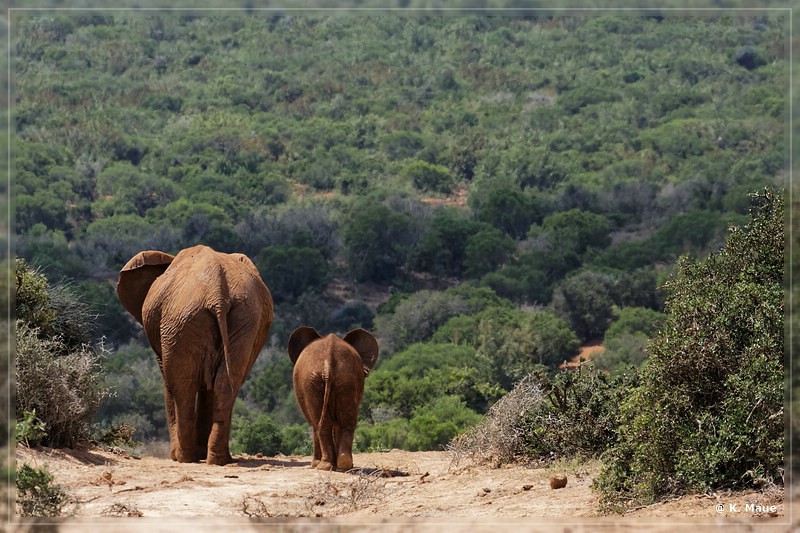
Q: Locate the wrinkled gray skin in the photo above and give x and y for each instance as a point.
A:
(206, 315)
(328, 380)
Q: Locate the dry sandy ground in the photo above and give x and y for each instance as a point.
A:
(392, 491)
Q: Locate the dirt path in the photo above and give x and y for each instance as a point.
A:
(392, 488)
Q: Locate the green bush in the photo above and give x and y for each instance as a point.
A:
(290, 271)
(519, 342)
(441, 249)
(709, 410)
(32, 302)
(416, 318)
(428, 177)
(634, 320)
(577, 416)
(137, 398)
(260, 435)
(486, 251)
(383, 436)
(585, 300)
(578, 229)
(377, 241)
(423, 372)
(36, 493)
(296, 439)
(119, 435)
(509, 210)
(432, 426)
(622, 352)
(30, 430)
(625, 341)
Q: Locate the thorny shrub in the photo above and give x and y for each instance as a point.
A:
(64, 390)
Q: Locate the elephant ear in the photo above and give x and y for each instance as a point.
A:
(366, 346)
(301, 337)
(137, 276)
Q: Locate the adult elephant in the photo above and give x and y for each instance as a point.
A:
(206, 315)
(328, 380)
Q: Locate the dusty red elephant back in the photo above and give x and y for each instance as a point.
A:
(206, 315)
(328, 378)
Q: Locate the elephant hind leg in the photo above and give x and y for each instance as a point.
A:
(172, 424)
(327, 446)
(186, 422)
(317, 457)
(205, 414)
(220, 427)
(344, 449)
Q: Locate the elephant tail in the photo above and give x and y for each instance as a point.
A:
(221, 313)
(328, 378)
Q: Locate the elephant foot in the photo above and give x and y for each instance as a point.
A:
(219, 459)
(325, 465)
(344, 463)
(185, 456)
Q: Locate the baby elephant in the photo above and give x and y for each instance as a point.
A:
(329, 377)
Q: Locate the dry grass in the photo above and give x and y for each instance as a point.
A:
(339, 497)
(121, 509)
(499, 438)
(332, 495)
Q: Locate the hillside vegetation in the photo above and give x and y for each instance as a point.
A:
(485, 193)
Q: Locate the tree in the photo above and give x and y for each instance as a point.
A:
(125, 189)
(579, 228)
(508, 210)
(377, 241)
(428, 177)
(519, 342)
(417, 318)
(486, 251)
(441, 250)
(585, 300)
(289, 271)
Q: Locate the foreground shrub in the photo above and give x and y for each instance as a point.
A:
(499, 437)
(36, 493)
(709, 410)
(54, 311)
(57, 372)
(578, 416)
(548, 418)
(63, 390)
